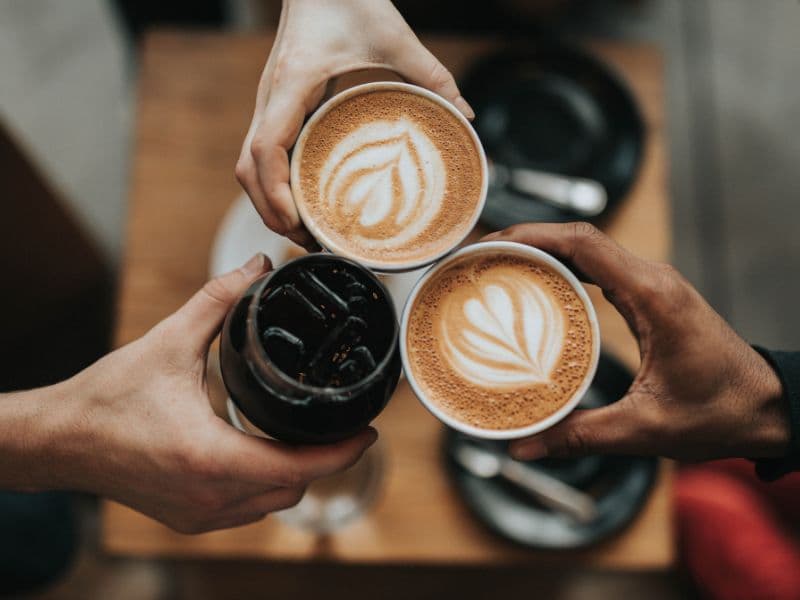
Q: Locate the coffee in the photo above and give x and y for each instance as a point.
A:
(499, 340)
(309, 353)
(389, 175)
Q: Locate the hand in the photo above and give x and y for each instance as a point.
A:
(137, 427)
(318, 40)
(701, 392)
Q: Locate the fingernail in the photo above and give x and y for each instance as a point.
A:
(529, 450)
(464, 107)
(255, 265)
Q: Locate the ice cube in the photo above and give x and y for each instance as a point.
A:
(289, 299)
(358, 365)
(321, 295)
(285, 349)
(335, 349)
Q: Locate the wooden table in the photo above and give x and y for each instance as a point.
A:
(195, 100)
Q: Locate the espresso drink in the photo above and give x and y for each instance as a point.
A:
(389, 177)
(498, 341)
(309, 354)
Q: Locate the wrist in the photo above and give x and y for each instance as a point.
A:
(771, 424)
(37, 429)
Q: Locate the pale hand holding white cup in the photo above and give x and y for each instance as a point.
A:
(318, 40)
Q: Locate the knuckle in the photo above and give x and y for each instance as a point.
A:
(440, 77)
(645, 413)
(218, 290)
(242, 171)
(575, 442)
(665, 290)
(275, 223)
(259, 147)
(585, 232)
(197, 463)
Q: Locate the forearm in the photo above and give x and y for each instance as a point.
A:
(34, 427)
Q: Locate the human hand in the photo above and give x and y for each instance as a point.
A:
(137, 427)
(701, 391)
(318, 40)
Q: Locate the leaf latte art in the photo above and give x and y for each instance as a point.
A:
(386, 180)
(509, 332)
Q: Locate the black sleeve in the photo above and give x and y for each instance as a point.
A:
(787, 366)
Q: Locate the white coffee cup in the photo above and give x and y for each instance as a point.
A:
(324, 240)
(540, 257)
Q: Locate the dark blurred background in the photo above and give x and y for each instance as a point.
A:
(67, 95)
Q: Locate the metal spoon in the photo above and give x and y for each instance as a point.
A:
(584, 197)
(548, 490)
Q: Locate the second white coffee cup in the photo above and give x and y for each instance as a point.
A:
(497, 248)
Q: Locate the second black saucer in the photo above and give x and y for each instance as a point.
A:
(620, 485)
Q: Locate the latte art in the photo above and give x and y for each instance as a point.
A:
(498, 341)
(385, 181)
(390, 175)
(511, 334)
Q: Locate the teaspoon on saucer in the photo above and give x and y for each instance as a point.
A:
(584, 197)
(548, 490)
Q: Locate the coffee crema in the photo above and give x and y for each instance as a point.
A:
(498, 341)
(389, 176)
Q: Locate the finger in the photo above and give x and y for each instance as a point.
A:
(247, 176)
(230, 521)
(276, 133)
(594, 256)
(200, 319)
(278, 499)
(272, 463)
(614, 429)
(418, 65)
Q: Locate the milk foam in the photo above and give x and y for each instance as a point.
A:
(507, 332)
(386, 176)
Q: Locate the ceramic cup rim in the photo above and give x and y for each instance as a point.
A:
(502, 247)
(322, 238)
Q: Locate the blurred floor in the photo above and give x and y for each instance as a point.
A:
(733, 107)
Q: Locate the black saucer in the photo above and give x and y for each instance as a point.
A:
(553, 108)
(620, 485)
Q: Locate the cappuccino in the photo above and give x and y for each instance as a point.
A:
(499, 339)
(390, 175)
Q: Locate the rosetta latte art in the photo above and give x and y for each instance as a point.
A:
(385, 180)
(510, 332)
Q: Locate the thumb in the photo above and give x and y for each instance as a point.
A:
(613, 429)
(201, 317)
(418, 65)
